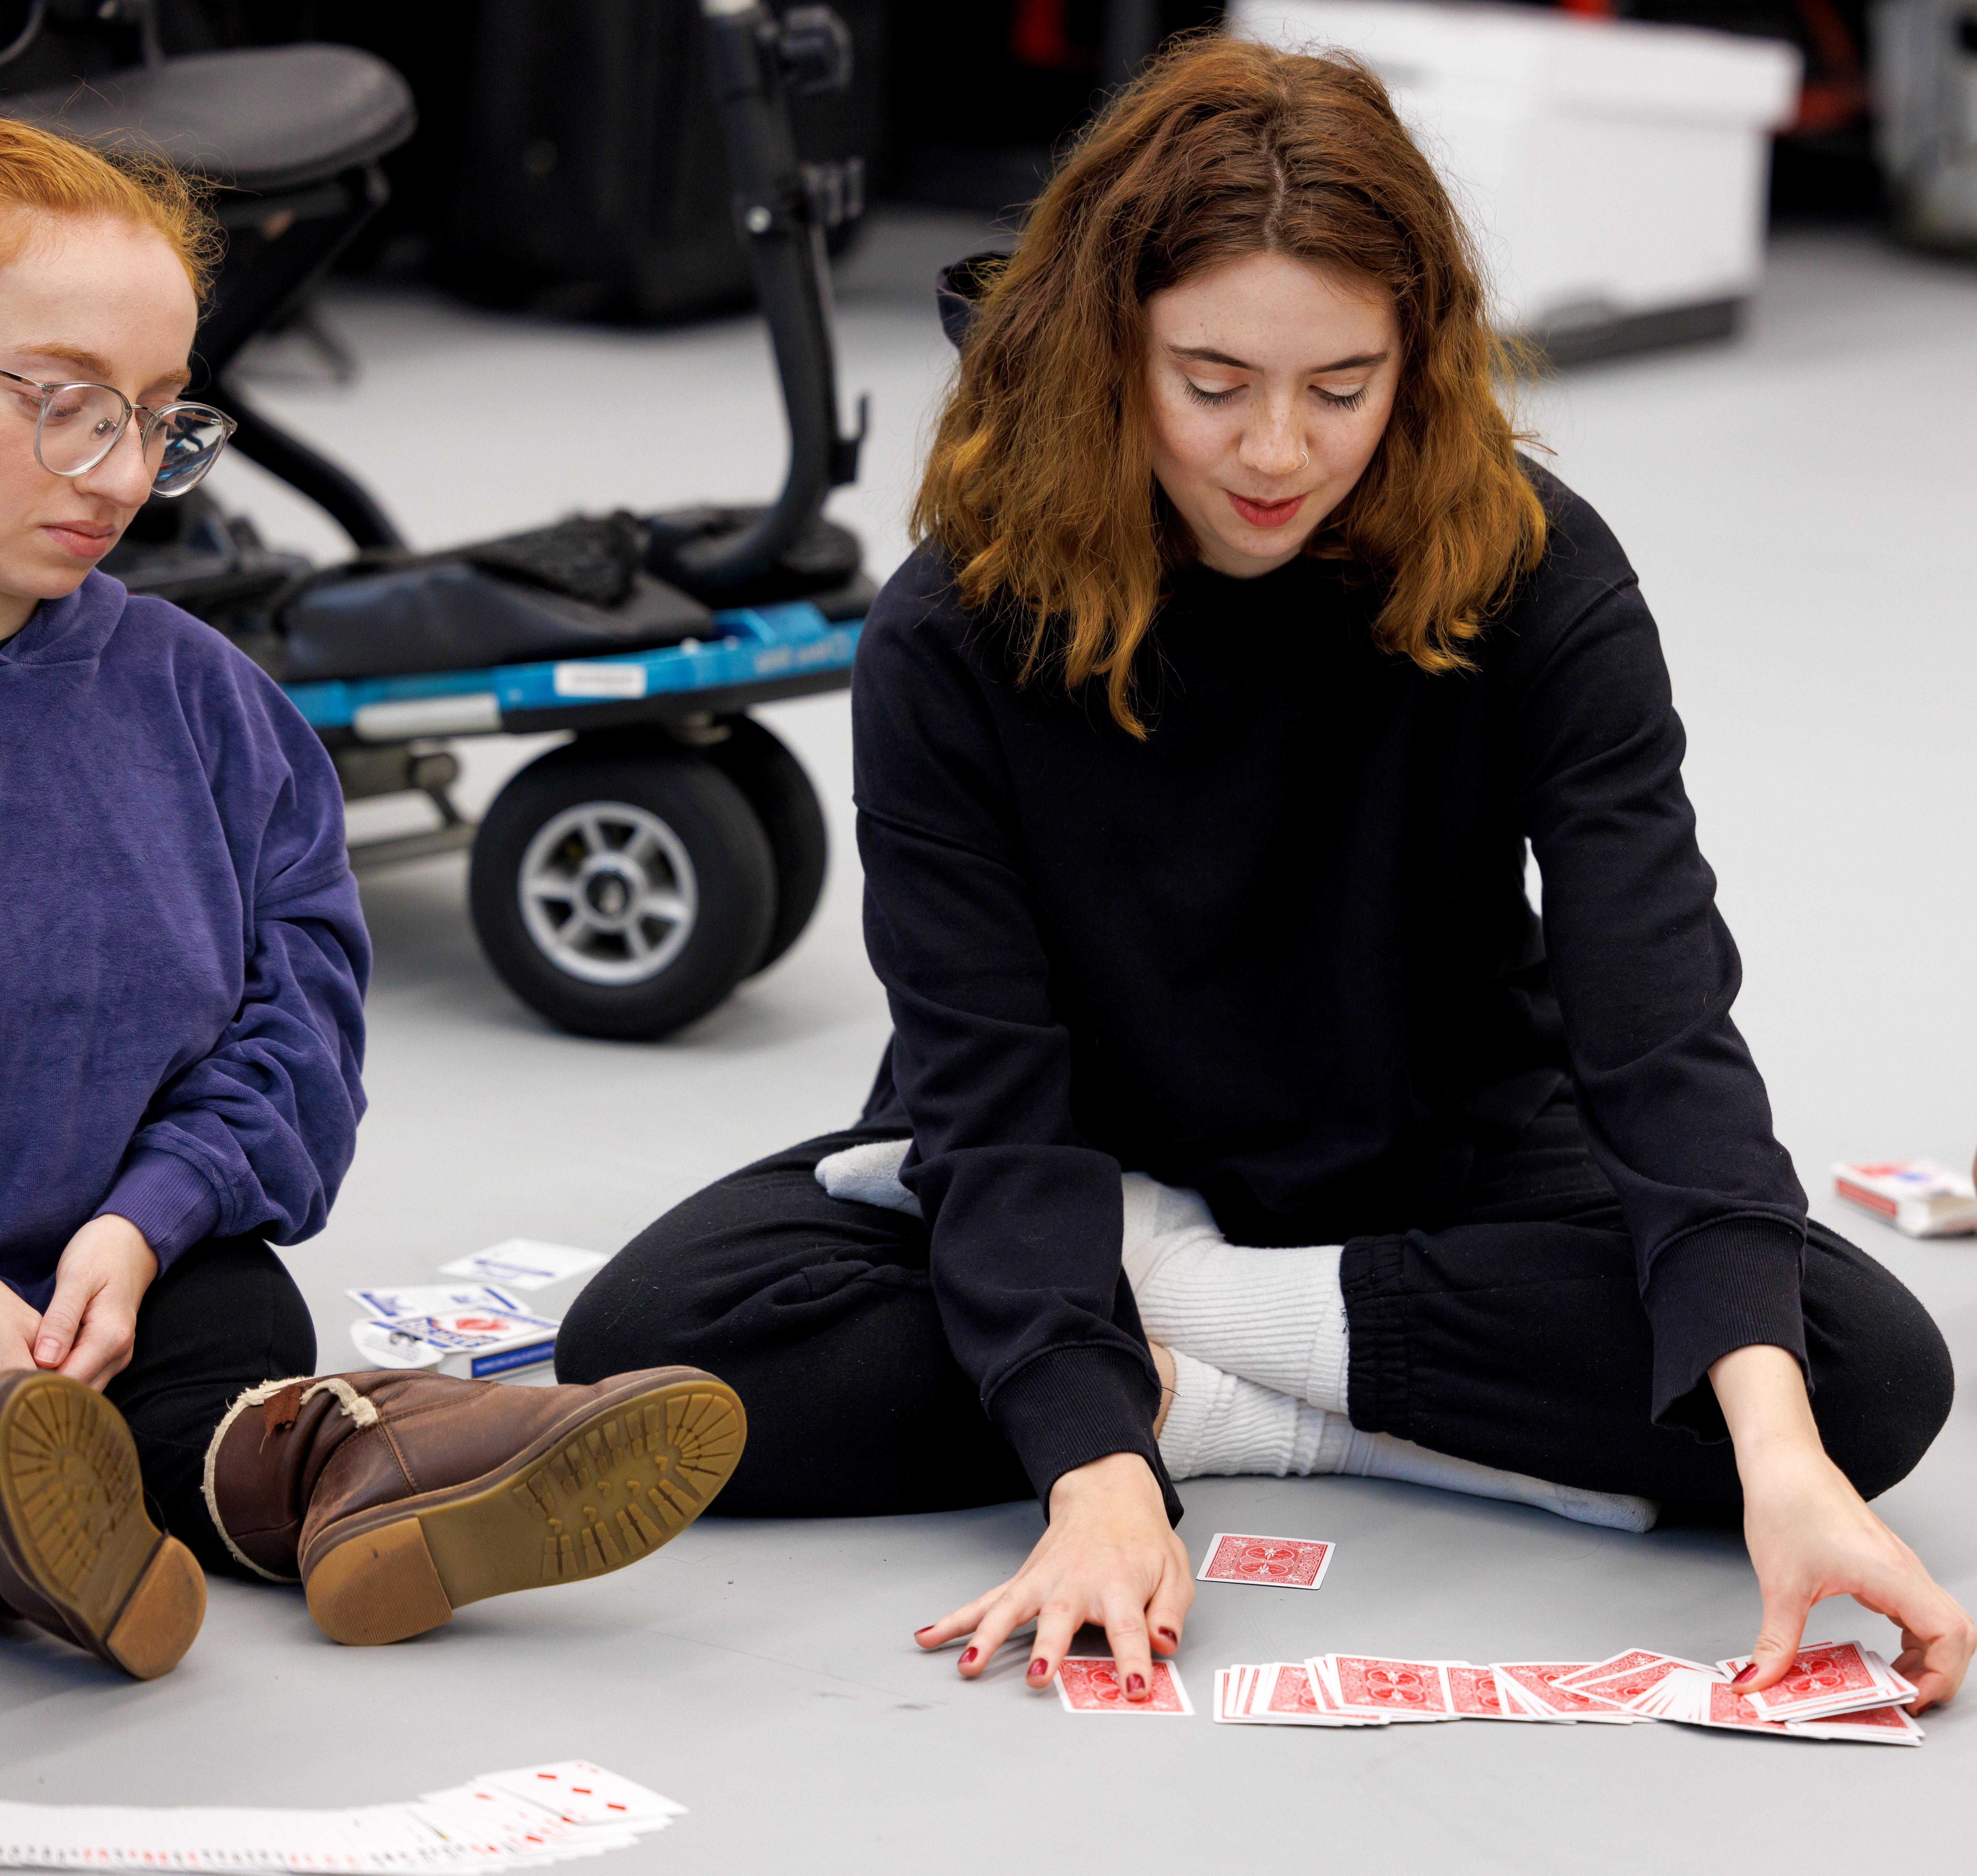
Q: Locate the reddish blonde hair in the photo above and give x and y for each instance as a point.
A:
(1039, 483)
(45, 174)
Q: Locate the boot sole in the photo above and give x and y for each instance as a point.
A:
(72, 1501)
(601, 1492)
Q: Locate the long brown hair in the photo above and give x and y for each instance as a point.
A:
(1039, 484)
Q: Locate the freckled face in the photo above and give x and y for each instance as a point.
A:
(94, 302)
(1270, 380)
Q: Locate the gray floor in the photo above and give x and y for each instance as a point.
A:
(1799, 505)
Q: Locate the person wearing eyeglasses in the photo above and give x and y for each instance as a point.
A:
(183, 963)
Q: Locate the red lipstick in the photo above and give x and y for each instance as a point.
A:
(1265, 514)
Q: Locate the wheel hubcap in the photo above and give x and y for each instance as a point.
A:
(608, 892)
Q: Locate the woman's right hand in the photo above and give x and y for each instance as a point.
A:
(1109, 1557)
(19, 1325)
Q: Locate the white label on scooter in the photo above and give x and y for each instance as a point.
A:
(596, 678)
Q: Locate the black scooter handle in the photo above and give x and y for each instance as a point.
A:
(752, 60)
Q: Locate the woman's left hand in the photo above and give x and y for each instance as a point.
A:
(90, 1326)
(1811, 1535)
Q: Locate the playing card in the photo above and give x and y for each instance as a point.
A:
(1280, 1563)
(1727, 1707)
(523, 1264)
(1089, 1683)
(1827, 1678)
(582, 1793)
(1878, 1726)
(1282, 1694)
(1396, 1689)
(1629, 1678)
(1477, 1694)
(1614, 1664)
(436, 1299)
(1538, 1690)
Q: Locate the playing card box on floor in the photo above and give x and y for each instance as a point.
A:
(1918, 1197)
(475, 1344)
(1274, 1563)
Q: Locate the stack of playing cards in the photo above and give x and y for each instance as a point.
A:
(477, 1331)
(507, 1820)
(1836, 1690)
(1915, 1196)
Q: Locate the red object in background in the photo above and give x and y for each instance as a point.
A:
(1838, 95)
(1589, 9)
(1040, 36)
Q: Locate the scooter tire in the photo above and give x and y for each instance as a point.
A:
(734, 879)
(758, 763)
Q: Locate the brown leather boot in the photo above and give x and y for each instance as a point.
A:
(78, 1554)
(397, 1498)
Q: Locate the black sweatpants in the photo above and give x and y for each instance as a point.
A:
(1509, 1331)
(225, 1316)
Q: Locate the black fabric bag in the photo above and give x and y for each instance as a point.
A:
(592, 182)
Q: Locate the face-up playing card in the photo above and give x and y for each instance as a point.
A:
(579, 1792)
(1279, 1563)
(523, 1264)
(1394, 1689)
(1089, 1684)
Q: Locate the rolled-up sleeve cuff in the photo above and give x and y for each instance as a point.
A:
(1067, 1407)
(1722, 1287)
(168, 1199)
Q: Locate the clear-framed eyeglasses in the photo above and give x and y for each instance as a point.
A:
(76, 426)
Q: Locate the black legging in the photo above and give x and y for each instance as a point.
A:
(1510, 1331)
(225, 1316)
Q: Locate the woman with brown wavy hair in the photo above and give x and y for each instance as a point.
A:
(1198, 747)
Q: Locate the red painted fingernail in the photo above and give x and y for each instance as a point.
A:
(1745, 1676)
(1167, 1634)
(928, 1630)
(969, 1656)
(1136, 1684)
(1039, 1667)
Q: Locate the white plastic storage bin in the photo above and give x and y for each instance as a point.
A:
(1613, 173)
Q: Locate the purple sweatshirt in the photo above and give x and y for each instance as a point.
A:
(182, 959)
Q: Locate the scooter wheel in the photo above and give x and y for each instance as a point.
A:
(754, 758)
(622, 895)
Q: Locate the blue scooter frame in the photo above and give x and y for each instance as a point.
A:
(764, 653)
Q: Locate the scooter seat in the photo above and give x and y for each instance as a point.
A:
(446, 614)
(263, 119)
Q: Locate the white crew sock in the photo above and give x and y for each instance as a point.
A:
(1221, 1424)
(1276, 1318)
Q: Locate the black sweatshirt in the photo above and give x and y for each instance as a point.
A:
(1281, 952)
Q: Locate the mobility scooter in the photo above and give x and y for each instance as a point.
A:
(625, 882)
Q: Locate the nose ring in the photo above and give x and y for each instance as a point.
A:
(1306, 463)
